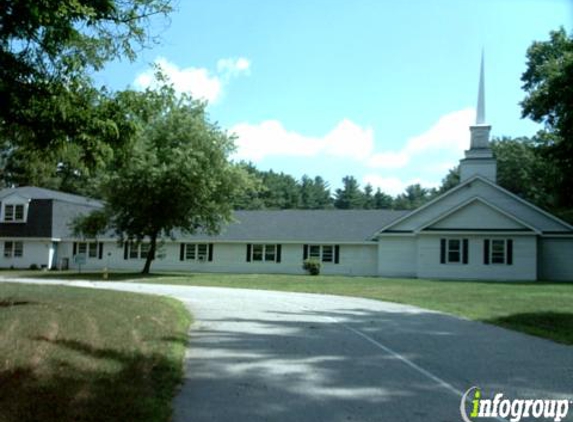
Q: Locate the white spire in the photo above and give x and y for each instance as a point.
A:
(480, 116)
(479, 159)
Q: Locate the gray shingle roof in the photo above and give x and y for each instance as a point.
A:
(32, 192)
(303, 225)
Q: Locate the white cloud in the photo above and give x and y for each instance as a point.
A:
(423, 159)
(450, 133)
(394, 185)
(270, 138)
(199, 82)
(234, 66)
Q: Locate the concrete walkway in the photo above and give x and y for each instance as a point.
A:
(270, 356)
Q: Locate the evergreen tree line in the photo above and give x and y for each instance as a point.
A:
(524, 168)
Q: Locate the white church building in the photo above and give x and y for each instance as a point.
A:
(477, 230)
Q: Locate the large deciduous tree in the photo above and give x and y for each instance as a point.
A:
(48, 51)
(548, 83)
(178, 178)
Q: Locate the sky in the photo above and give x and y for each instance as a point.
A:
(378, 89)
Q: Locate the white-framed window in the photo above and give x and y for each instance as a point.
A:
(14, 213)
(323, 253)
(498, 251)
(137, 250)
(259, 252)
(13, 249)
(454, 251)
(196, 251)
(89, 249)
(264, 253)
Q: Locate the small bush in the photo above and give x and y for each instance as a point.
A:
(34, 267)
(311, 266)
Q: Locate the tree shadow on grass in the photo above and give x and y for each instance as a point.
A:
(141, 390)
(555, 325)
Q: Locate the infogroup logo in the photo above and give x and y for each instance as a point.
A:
(514, 409)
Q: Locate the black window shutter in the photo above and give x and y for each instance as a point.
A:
(248, 252)
(279, 253)
(181, 251)
(465, 251)
(125, 250)
(486, 251)
(304, 251)
(210, 252)
(100, 250)
(509, 252)
(336, 254)
(75, 248)
(442, 251)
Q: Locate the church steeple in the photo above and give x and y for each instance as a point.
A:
(480, 116)
(479, 158)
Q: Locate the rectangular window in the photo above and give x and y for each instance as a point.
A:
(270, 254)
(137, 250)
(190, 251)
(19, 212)
(263, 253)
(196, 251)
(89, 249)
(315, 252)
(18, 249)
(133, 251)
(454, 251)
(258, 252)
(8, 247)
(324, 253)
(202, 252)
(92, 247)
(9, 213)
(14, 212)
(498, 251)
(82, 247)
(13, 249)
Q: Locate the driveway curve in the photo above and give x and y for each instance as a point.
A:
(274, 356)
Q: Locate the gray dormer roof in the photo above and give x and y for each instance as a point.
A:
(32, 192)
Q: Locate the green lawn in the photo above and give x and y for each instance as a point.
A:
(70, 354)
(540, 308)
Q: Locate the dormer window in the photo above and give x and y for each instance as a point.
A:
(14, 213)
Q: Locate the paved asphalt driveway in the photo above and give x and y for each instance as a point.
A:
(270, 356)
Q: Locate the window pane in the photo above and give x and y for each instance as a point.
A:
(257, 252)
(144, 250)
(453, 256)
(202, 251)
(9, 213)
(190, 250)
(327, 253)
(8, 249)
(82, 247)
(93, 250)
(132, 251)
(18, 249)
(269, 252)
(19, 212)
(454, 245)
(498, 251)
(314, 251)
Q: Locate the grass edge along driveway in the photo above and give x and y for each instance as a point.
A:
(89, 355)
(538, 308)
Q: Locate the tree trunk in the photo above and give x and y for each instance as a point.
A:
(150, 254)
